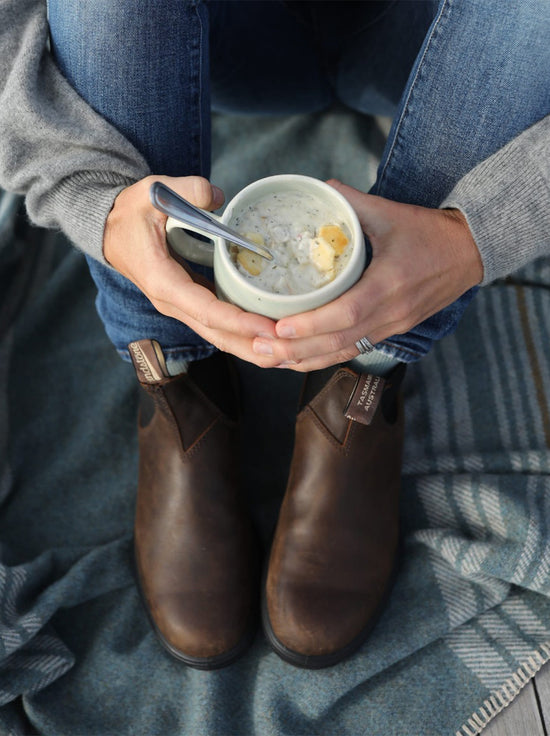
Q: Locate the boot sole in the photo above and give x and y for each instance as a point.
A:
(207, 663)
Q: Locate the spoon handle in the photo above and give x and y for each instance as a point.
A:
(172, 204)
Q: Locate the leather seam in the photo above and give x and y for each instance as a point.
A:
(338, 376)
(170, 415)
(199, 393)
(166, 409)
(195, 446)
(327, 434)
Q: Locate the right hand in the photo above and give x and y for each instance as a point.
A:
(423, 260)
(134, 243)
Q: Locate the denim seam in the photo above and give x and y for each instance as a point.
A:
(200, 42)
(396, 143)
(196, 79)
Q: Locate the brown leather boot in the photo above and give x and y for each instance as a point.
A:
(196, 552)
(335, 546)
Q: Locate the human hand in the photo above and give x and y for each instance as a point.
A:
(135, 244)
(423, 260)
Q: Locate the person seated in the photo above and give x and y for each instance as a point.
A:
(99, 101)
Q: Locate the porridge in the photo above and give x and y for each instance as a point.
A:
(310, 246)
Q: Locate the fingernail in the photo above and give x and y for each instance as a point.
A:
(217, 193)
(262, 348)
(286, 331)
(266, 335)
(286, 363)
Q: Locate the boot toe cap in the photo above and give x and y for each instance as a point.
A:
(200, 629)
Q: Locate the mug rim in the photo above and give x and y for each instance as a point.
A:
(355, 257)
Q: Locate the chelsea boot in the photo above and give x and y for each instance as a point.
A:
(335, 546)
(195, 548)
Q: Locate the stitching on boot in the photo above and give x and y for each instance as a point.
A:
(327, 434)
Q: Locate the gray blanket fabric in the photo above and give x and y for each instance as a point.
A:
(468, 622)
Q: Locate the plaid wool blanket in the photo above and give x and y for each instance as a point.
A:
(468, 622)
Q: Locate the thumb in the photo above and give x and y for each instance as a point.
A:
(197, 189)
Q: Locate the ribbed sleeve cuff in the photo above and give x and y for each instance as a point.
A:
(79, 205)
(506, 202)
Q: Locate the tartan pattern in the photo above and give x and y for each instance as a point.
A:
(469, 617)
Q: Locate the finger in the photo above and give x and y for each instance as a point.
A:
(318, 362)
(193, 301)
(236, 345)
(299, 350)
(173, 292)
(197, 277)
(362, 305)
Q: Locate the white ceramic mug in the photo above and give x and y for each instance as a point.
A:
(234, 287)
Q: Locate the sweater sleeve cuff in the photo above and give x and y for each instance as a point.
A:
(79, 206)
(506, 202)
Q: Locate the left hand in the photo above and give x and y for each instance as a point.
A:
(423, 260)
(135, 245)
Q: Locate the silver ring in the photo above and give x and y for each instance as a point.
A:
(364, 345)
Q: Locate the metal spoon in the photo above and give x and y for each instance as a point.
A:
(166, 200)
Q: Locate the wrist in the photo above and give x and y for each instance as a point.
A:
(467, 252)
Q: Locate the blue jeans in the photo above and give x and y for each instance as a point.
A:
(460, 78)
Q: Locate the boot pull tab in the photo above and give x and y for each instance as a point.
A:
(148, 361)
(364, 399)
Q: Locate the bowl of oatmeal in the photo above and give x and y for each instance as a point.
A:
(312, 232)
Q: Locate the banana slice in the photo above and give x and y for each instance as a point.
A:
(334, 235)
(321, 254)
(250, 262)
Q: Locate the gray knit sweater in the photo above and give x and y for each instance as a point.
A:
(71, 164)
